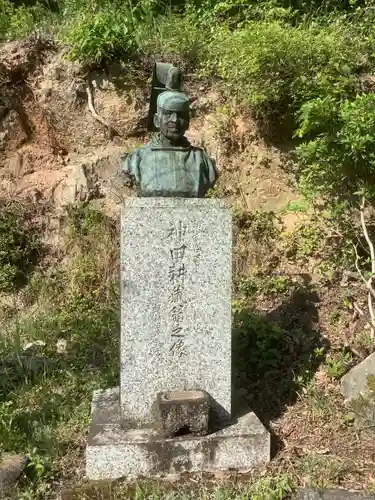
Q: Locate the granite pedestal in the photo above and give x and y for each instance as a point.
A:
(176, 280)
(113, 452)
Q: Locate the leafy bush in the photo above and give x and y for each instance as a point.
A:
(275, 67)
(20, 244)
(338, 157)
(101, 36)
(15, 21)
(176, 38)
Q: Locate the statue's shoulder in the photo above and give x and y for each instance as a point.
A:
(137, 152)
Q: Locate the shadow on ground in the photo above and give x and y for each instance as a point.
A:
(276, 353)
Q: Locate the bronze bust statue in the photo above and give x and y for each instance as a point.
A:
(168, 165)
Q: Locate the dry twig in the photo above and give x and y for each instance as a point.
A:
(90, 102)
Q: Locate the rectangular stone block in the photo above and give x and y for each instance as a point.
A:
(184, 412)
(176, 274)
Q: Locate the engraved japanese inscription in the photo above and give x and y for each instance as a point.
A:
(177, 272)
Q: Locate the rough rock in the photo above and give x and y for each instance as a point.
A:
(11, 467)
(73, 188)
(355, 382)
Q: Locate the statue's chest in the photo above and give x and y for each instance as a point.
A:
(170, 172)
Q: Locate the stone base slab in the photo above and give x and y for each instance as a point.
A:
(113, 452)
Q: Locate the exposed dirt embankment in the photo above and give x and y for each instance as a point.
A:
(52, 148)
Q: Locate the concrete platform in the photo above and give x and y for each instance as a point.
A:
(113, 452)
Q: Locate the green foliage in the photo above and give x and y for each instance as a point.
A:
(319, 404)
(15, 21)
(275, 67)
(20, 244)
(269, 361)
(237, 12)
(179, 39)
(105, 35)
(262, 284)
(301, 205)
(304, 242)
(258, 225)
(337, 366)
(334, 317)
(320, 470)
(259, 344)
(18, 19)
(338, 158)
(272, 488)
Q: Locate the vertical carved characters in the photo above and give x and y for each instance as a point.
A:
(177, 271)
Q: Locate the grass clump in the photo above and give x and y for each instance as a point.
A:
(276, 488)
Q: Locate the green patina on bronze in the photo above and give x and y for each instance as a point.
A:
(168, 165)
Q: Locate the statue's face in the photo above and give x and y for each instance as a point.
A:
(172, 124)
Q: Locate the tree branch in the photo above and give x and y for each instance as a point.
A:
(369, 321)
(90, 102)
(366, 282)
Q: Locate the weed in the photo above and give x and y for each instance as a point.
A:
(319, 405)
(336, 367)
(296, 206)
(274, 488)
(275, 68)
(334, 317)
(262, 284)
(106, 35)
(271, 360)
(320, 471)
(267, 488)
(336, 159)
(254, 231)
(258, 225)
(185, 46)
(304, 242)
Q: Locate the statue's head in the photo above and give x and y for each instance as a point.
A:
(173, 114)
